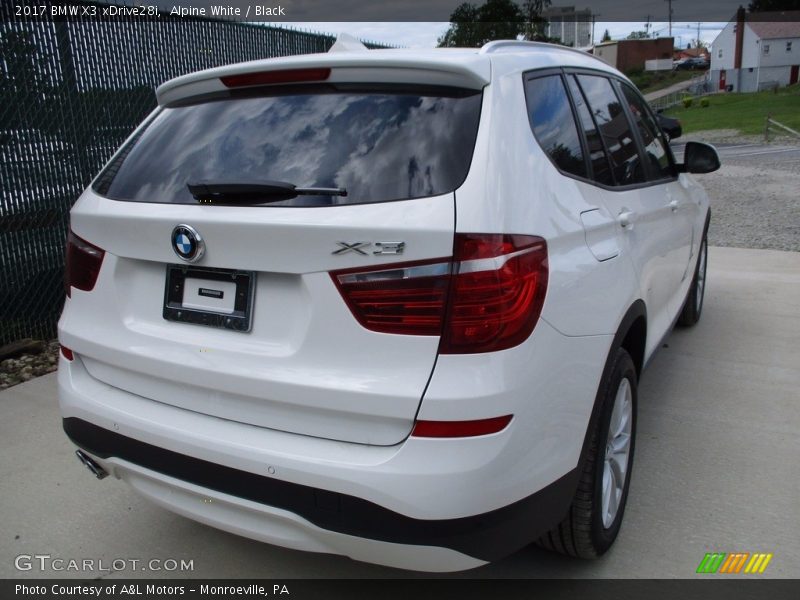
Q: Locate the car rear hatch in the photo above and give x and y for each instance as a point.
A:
(295, 182)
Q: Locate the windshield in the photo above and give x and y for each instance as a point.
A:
(378, 145)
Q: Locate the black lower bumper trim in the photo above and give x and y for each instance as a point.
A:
(488, 536)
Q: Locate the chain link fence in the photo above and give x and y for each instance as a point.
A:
(70, 93)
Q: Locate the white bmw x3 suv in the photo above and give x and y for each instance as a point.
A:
(388, 304)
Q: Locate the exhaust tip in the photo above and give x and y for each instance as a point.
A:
(90, 464)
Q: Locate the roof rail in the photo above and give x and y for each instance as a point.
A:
(500, 45)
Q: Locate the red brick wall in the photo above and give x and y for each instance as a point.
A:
(632, 54)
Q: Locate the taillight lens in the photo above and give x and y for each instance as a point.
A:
(83, 264)
(408, 298)
(488, 297)
(497, 293)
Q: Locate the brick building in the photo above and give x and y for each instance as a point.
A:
(630, 55)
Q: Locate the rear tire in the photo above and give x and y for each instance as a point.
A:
(693, 305)
(596, 512)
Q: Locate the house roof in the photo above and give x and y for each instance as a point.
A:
(770, 29)
(693, 52)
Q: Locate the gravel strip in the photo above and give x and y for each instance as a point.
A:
(752, 206)
(28, 366)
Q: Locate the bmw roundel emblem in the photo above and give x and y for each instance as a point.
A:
(187, 243)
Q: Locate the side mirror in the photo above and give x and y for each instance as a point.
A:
(699, 158)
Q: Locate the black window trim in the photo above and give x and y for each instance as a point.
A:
(546, 71)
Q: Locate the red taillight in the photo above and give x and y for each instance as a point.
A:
(67, 353)
(450, 429)
(408, 298)
(83, 264)
(487, 298)
(497, 293)
(272, 77)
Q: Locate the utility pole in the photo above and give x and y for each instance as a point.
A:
(647, 26)
(594, 16)
(697, 41)
(670, 16)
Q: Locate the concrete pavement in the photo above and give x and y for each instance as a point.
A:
(716, 465)
(675, 87)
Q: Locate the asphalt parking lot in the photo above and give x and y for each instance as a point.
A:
(716, 466)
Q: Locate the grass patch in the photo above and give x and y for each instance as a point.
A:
(745, 112)
(651, 81)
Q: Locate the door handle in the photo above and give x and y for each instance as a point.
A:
(673, 205)
(626, 219)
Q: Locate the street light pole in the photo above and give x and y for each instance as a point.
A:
(670, 16)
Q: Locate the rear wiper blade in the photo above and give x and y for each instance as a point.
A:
(255, 193)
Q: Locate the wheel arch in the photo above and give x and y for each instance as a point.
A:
(632, 335)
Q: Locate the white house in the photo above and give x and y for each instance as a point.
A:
(756, 51)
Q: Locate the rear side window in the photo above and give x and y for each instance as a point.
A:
(655, 148)
(379, 144)
(553, 125)
(614, 128)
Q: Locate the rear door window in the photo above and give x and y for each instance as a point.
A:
(379, 144)
(601, 167)
(615, 130)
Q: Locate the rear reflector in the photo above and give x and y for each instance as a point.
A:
(272, 77)
(452, 429)
(487, 298)
(83, 264)
(67, 353)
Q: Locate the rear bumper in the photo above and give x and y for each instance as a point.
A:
(190, 486)
(478, 499)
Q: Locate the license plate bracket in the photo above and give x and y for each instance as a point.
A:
(210, 304)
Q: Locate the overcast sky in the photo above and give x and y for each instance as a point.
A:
(424, 35)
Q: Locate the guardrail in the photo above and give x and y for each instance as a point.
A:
(699, 86)
(770, 122)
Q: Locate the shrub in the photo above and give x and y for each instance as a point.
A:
(705, 102)
(687, 102)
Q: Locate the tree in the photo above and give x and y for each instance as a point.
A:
(637, 35)
(463, 30)
(606, 36)
(472, 26)
(535, 26)
(771, 5)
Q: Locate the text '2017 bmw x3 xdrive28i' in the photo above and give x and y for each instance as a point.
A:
(387, 304)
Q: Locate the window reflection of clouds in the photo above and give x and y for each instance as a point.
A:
(366, 143)
(553, 123)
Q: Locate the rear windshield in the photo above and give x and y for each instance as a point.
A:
(377, 144)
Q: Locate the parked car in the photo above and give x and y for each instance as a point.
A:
(691, 63)
(670, 126)
(389, 304)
